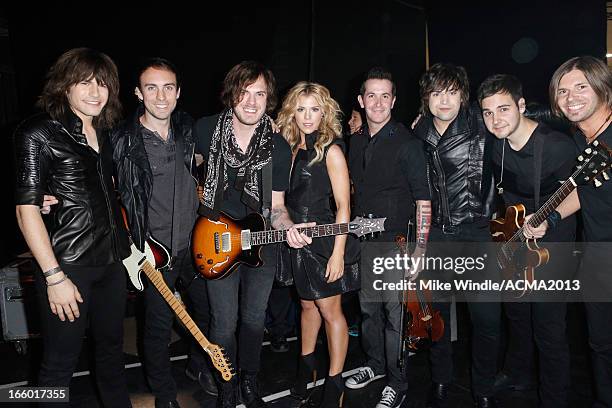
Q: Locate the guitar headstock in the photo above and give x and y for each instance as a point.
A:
(595, 161)
(361, 226)
(219, 360)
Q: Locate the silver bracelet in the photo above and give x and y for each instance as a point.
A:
(52, 271)
(59, 281)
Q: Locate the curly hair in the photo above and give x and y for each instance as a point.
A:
(243, 75)
(74, 66)
(330, 127)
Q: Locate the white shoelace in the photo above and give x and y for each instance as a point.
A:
(388, 396)
(366, 372)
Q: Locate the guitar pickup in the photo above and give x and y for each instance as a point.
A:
(216, 243)
(226, 242)
(245, 239)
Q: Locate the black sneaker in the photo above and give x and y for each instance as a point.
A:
(362, 378)
(204, 378)
(391, 398)
(279, 345)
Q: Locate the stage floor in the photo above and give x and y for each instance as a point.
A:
(278, 370)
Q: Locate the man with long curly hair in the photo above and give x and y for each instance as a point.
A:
(66, 152)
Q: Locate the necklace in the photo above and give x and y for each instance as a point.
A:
(590, 139)
(500, 188)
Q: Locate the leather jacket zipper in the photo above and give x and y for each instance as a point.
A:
(441, 189)
(111, 217)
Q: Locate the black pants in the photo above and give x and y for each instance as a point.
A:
(280, 312)
(596, 277)
(600, 341)
(541, 325)
(238, 307)
(103, 290)
(159, 318)
(381, 313)
(485, 315)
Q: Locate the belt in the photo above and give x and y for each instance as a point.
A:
(450, 229)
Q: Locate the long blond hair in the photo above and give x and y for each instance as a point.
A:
(330, 127)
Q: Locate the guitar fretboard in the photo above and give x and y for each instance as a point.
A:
(156, 278)
(549, 206)
(323, 230)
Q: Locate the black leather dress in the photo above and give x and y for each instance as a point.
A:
(308, 199)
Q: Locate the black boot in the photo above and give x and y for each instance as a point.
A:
(487, 402)
(166, 403)
(333, 392)
(249, 391)
(227, 394)
(307, 372)
(438, 396)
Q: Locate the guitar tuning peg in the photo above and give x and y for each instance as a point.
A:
(588, 150)
(580, 158)
(578, 167)
(595, 143)
(597, 182)
(606, 176)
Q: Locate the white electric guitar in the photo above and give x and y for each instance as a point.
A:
(156, 256)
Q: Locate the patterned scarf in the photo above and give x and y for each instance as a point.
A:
(224, 151)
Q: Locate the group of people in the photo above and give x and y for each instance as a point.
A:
(442, 174)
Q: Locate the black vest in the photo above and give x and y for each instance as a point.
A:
(380, 188)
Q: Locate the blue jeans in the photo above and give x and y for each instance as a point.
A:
(238, 305)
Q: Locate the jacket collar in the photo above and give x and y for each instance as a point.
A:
(74, 125)
(426, 130)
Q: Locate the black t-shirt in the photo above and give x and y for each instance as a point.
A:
(231, 202)
(596, 202)
(558, 160)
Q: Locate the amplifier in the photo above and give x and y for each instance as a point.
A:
(18, 305)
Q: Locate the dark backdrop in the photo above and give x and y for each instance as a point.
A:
(529, 39)
(331, 42)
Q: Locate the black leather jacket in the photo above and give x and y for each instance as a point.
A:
(53, 157)
(459, 169)
(134, 175)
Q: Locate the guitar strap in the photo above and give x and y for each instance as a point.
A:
(538, 147)
(266, 201)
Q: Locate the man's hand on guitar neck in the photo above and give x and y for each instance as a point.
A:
(297, 239)
(534, 232)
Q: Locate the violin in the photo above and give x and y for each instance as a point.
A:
(421, 324)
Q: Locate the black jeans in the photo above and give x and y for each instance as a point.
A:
(280, 312)
(238, 307)
(103, 290)
(159, 318)
(485, 315)
(380, 325)
(595, 272)
(541, 325)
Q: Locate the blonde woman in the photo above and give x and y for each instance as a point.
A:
(310, 121)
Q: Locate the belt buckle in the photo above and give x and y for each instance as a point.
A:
(449, 229)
